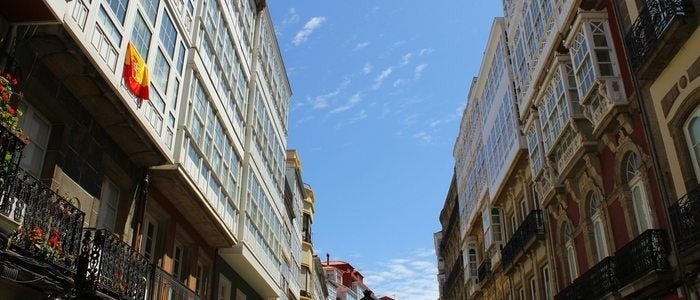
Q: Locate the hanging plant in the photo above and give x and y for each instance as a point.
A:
(9, 114)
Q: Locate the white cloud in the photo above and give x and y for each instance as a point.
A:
(418, 71)
(414, 277)
(361, 45)
(310, 26)
(361, 115)
(322, 101)
(352, 101)
(425, 51)
(291, 17)
(406, 59)
(383, 75)
(367, 69)
(423, 137)
(399, 82)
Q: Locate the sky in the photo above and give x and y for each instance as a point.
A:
(378, 93)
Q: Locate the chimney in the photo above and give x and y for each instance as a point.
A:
(328, 259)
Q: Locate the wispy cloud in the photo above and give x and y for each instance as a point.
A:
(412, 277)
(399, 82)
(406, 59)
(290, 17)
(425, 51)
(361, 46)
(423, 137)
(418, 71)
(322, 101)
(352, 101)
(367, 69)
(310, 26)
(380, 79)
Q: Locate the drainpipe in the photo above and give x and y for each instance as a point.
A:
(660, 182)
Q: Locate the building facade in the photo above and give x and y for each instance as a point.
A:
(448, 248)
(662, 43)
(344, 281)
(561, 200)
(178, 196)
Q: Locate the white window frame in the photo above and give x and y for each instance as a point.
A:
(693, 141)
(570, 253)
(224, 288)
(533, 288)
(640, 201)
(596, 215)
(149, 252)
(545, 282)
(33, 124)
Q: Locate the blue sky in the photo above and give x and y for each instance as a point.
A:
(378, 92)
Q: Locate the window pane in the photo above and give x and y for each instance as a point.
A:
(161, 71)
(141, 36)
(118, 8)
(168, 34)
(151, 8)
(640, 209)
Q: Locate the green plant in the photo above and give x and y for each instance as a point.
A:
(9, 114)
(48, 247)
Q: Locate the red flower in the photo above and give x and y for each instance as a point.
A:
(53, 239)
(14, 81)
(5, 97)
(11, 110)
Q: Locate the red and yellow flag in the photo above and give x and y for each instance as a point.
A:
(136, 73)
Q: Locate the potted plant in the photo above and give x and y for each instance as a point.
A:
(9, 119)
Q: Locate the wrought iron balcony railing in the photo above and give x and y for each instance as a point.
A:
(484, 270)
(45, 225)
(600, 280)
(110, 266)
(50, 225)
(646, 32)
(685, 218)
(532, 227)
(165, 286)
(646, 253)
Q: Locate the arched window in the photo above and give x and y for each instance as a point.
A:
(691, 129)
(596, 215)
(568, 239)
(639, 195)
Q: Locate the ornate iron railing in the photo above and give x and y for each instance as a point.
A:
(484, 270)
(165, 286)
(49, 225)
(598, 281)
(11, 147)
(685, 218)
(645, 33)
(648, 252)
(532, 226)
(108, 265)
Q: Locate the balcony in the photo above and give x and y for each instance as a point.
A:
(456, 270)
(109, 267)
(685, 218)
(484, 271)
(645, 254)
(42, 227)
(597, 282)
(165, 286)
(661, 28)
(531, 229)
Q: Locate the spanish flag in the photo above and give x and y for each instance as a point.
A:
(136, 73)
